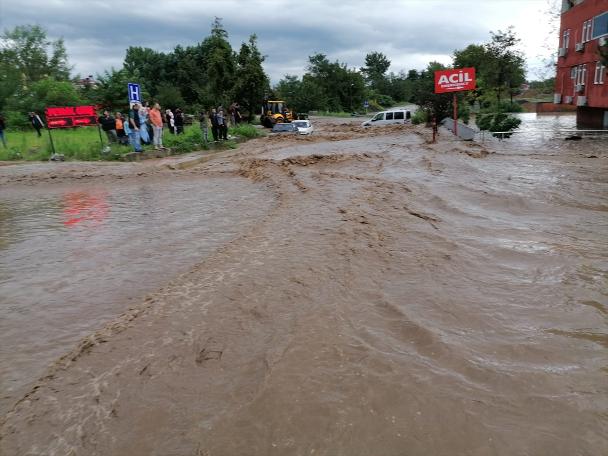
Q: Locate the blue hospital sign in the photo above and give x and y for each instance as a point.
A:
(134, 92)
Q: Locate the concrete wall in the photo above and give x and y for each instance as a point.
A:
(592, 118)
(552, 107)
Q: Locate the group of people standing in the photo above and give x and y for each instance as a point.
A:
(218, 120)
(143, 125)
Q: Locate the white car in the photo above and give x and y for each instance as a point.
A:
(304, 126)
(394, 116)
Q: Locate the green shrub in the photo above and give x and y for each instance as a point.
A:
(190, 140)
(245, 131)
(484, 121)
(385, 100)
(419, 117)
(374, 106)
(498, 122)
(16, 121)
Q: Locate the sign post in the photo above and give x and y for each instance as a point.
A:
(455, 80)
(68, 117)
(52, 143)
(455, 104)
(134, 91)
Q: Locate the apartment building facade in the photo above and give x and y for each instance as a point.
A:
(582, 76)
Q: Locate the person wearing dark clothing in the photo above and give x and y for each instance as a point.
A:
(120, 130)
(179, 121)
(134, 126)
(214, 125)
(36, 122)
(108, 124)
(2, 128)
(222, 128)
(235, 114)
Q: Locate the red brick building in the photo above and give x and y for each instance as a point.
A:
(582, 77)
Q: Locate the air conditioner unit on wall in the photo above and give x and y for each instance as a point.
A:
(579, 87)
(561, 52)
(557, 98)
(602, 41)
(580, 47)
(581, 101)
(568, 100)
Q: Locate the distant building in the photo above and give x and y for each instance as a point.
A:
(89, 81)
(582, 79)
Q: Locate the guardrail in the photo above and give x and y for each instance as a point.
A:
(565, 133)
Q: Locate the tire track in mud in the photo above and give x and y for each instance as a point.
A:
(151, 307)
(150, 366)
(352, 319)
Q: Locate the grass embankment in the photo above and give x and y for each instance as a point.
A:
(83, 143)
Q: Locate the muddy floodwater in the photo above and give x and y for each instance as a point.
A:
(357, 292)
(75, 256)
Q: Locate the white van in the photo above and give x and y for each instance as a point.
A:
(394, 116)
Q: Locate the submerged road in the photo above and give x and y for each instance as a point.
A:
(392, 297)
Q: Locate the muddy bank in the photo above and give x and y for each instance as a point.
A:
(399, 297)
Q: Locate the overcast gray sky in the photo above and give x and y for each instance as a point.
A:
(410, 32)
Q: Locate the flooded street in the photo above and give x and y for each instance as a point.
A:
(357, 292)
(75, 256)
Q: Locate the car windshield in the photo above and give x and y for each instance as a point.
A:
(301, 124)
(283, 127)
(379, 116)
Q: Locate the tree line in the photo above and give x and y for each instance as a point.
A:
(35, 72)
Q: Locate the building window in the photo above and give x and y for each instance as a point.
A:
(600, 69)
(587, 26)
(573, 72)
(600, 25)
(581, 74)
(566, 39)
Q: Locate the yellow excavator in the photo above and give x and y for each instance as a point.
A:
(273, 112)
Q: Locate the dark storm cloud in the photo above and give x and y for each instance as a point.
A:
(410, 33)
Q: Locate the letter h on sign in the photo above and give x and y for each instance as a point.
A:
(134, 92)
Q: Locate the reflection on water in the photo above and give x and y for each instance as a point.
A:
(72, 258)
(549, 131)
(83, 207)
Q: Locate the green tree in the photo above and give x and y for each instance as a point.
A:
(146, 66)
(26, 57)
(111, 90)
(342, 88)
(376, 66)
(169, 96)
(220, 64)
(28, 49)
(10, 81)
(251, 83)
(301, 95)
(50, 92)
(505, 65)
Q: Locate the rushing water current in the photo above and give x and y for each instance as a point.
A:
(72, 257)
(389, 296)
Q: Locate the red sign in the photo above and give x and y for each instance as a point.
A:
(455, 80)
(70, 116)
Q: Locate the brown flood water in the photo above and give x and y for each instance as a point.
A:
(389, 297)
